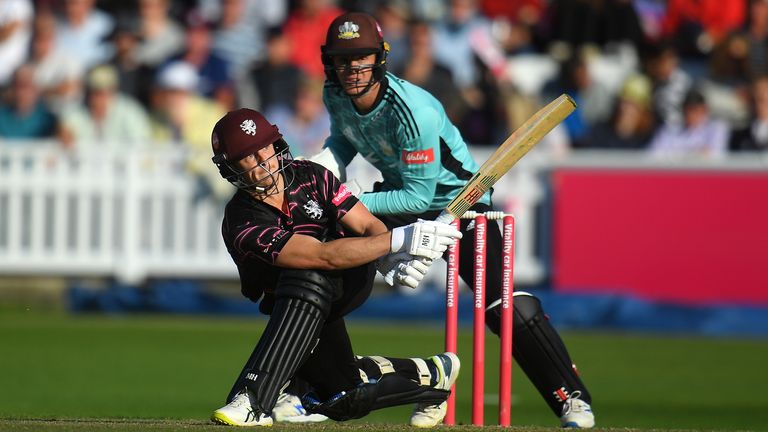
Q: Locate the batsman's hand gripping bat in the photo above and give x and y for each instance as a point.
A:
(507, 155)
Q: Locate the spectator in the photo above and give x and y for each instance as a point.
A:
(429, 10)
(306, 126)
(15, 34)
(108, 119)
(700, 135)
(81, 33)
(670, 82)
(698, 25)
(306, 28)
(574, 24)
(422, 70)
(758, 38)
(25, 116)
(651, 15)
(515, 38)
(754, 137)
(729, 63)
(459, 41)
(594, 100)
(393, 17)
(243, 20)
(161, 37)
(631, 125)
(213, 71)
(58, 75)
(134, 78)
(276, 78)
(185, 118)
(744, 54)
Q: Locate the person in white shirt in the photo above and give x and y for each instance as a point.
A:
(15, 33)
(82, 32)
(700, 134)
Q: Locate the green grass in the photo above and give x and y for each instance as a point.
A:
(170, 372)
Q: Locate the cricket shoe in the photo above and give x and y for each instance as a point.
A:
(289, 409)
(427, 416)
(239, 412)
(577, 413)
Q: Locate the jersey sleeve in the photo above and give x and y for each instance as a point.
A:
(250, 234)
(336, 195)
(257, 239)
(419, 166)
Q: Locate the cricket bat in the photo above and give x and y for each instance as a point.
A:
(507, 155)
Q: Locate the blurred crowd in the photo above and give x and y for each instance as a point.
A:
(672, 77)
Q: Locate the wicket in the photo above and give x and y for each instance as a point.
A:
(451, 315)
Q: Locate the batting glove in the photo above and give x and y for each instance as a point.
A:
(428, 239)
(409, 274)
(387, 264)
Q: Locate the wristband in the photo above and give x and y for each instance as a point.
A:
(398, 239)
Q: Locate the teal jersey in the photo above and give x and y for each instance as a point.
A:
(407, 136)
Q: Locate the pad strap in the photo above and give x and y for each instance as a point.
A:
(385, 366)
(424, 375)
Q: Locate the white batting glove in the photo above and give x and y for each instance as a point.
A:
(409, 274)
(428, 239)
(387, 264)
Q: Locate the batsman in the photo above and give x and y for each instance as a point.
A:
(404, 132)
(307, 251)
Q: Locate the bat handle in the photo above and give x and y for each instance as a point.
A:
(445, 217)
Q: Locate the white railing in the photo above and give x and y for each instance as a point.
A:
(128, 215)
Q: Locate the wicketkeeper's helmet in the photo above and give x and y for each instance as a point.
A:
(355, 33)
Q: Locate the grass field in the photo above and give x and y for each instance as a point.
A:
(60, 372)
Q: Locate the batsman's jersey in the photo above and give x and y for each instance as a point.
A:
(408, 137)
(255, 232)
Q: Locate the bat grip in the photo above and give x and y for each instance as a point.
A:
(445, 217)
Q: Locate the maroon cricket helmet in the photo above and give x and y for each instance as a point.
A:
(242, 132)
(353, 33)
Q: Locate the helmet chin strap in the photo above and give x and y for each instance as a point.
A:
(262, 192)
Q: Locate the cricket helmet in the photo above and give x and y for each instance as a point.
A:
(241, 133)
(351, 34)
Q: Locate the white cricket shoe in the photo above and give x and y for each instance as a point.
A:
(289, 409)
(240, 413)
(577, 413)
(427, 416)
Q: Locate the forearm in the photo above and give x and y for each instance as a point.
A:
(398, 201)
(352, 252)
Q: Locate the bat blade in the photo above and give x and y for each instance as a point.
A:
(509, 152)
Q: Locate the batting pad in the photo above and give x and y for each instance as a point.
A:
(292, 330)
(390, 390)
(542, 354)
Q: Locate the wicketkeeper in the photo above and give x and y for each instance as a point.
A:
(404, 132)
(307, 251)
